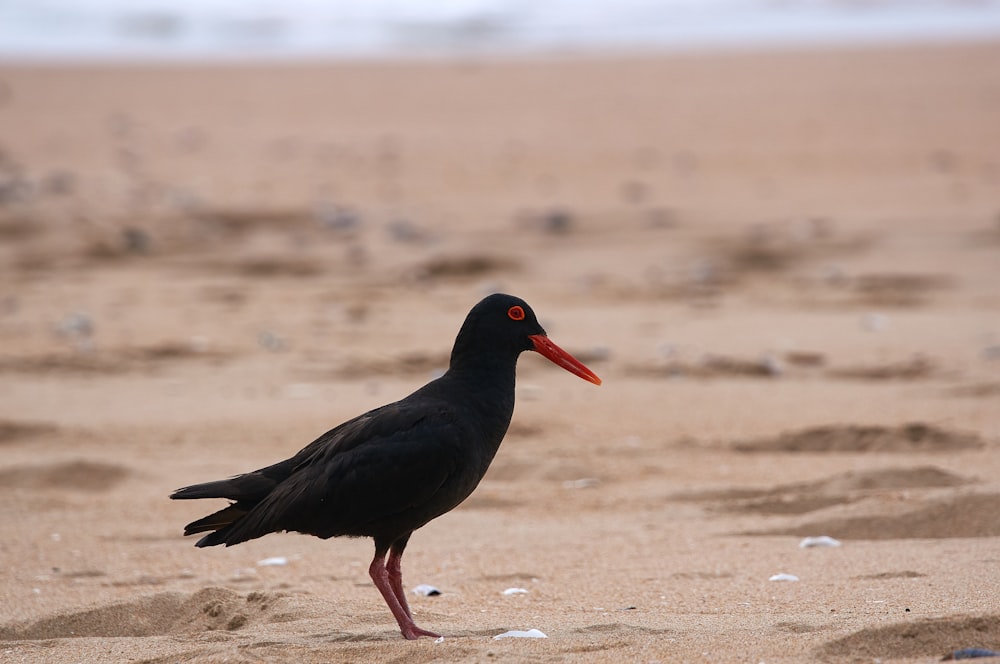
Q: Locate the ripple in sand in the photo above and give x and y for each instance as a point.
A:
(797, 627)
(912, 437)
(976, 390)
(916, 368)
(241, 221)
(12, 431)
(711, 366)
(883, 576)
(898, 289)
(464, 267)
(77, 475)
(113, 361)
(18, 228)
(972, 515)
(268, 267)
(841, 489)
(920, 639)
(770, 248)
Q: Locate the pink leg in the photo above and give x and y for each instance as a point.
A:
(392, 593)
(395, 572)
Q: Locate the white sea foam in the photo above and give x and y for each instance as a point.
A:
(226, 29)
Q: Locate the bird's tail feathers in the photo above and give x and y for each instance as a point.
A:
(215, 521)
(217, 489)
(231, 525)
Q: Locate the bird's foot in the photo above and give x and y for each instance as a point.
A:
(411, 632)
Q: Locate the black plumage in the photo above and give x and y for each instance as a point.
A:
(389, 471)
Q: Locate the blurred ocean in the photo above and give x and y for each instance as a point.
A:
(234, 29)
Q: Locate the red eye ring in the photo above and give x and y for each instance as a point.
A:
(515, 313)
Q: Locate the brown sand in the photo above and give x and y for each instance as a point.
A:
(785, 266)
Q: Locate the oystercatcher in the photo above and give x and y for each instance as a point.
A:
(389, 471)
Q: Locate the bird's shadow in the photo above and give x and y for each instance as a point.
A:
(394, 635)
(351, 637)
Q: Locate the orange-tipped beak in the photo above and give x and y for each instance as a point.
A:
(545, 347)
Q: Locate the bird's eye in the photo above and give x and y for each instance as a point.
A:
(515, 313)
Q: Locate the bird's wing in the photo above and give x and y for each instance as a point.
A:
(250, 488)
(390, 462)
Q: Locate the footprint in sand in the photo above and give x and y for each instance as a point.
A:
(209, 609)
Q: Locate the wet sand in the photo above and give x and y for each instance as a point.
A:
(784, 266)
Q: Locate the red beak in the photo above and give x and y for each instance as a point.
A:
(545, 347)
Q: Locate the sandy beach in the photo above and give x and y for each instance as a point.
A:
(785, 267)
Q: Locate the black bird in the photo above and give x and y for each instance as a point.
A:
(389, 471)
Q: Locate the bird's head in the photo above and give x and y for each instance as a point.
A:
(503, 323)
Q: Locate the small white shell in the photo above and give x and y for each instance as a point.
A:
(426, 590)
(784, 577)
(515, 591)
(274, 561)
(821, 541)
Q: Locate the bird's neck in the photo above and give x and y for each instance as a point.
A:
(490, 371)
(486, 383)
